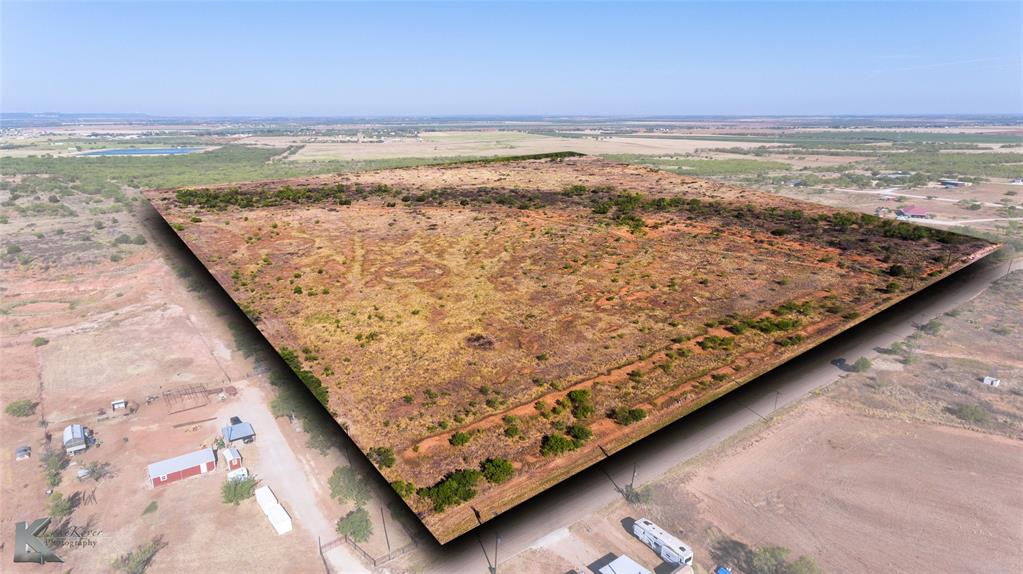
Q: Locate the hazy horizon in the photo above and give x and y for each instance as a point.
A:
(347, 60)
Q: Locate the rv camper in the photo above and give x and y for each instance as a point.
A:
(669, 548)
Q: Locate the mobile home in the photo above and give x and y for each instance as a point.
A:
(669, 548)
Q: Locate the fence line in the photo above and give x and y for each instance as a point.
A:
(375, 561)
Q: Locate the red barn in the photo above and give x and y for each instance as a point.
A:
(233, 458)
(184, 466)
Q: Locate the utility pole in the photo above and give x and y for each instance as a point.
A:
(383, 520)
(497, 542)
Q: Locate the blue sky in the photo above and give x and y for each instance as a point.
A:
(343, 59)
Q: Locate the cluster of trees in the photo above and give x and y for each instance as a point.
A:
(347, 485)
(557, 443)
(293, 400)
(310, 380)
(220, 199)
(460, 485)
(456, 487)
(714, 342)
(136, 561)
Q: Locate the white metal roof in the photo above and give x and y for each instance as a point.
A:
(231, 454)
(666, 539)
(73, 434)
(623, 565)
(238, 431)
(165, 467)
(265, 496)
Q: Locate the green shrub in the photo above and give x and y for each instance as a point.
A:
(150, 508)
(235, 491)
(54, 464)
(975, 414)
(626, 416)
(39, 341)
(579, 433)
(404, 489)
(459, 438)
(497, 470)
(932, 327)
(383, 456)
(582, 403)
(555, 444)
(713, 342)
(861, 365)
(59, 506)
(21, 408)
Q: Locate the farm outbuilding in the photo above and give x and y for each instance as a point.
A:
(75, 439)
(913, 212)
(181, 467)
(241, 431)
(232, 458)
(623, 565)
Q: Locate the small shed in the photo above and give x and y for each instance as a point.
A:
(991, 381)
(232, 458)
(623, 565)
(239, 474)
(75, 439)
(182, 467)
(22, 452)
(241, 431)
(118, 404)
(279, 518)
(913, 212)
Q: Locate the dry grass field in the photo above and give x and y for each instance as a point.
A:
(429, 144)
(519, 317)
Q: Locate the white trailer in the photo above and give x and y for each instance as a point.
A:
(275, 513)
(669, 548)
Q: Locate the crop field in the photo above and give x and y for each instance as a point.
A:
(485, 330)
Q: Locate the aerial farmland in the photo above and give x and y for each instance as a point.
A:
(484, 330)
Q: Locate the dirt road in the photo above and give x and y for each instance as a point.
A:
(281, 470)
(590, 491)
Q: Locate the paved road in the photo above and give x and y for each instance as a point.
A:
(969, 221)
(895, 192)
(593, 489)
